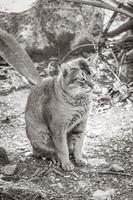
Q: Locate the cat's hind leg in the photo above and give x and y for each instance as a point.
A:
(40, 140)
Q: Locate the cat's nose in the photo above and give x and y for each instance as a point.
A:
(90, 84)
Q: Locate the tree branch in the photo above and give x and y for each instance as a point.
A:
(103, 5)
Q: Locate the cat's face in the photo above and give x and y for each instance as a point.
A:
(76, 77)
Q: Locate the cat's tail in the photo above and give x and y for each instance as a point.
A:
(15, 56)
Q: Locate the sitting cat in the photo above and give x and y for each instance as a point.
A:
(56, 113)
(57, 108)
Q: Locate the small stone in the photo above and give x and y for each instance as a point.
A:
(9, 170)
(28, 153)
(104, 195)
(116, 168)
(110, 192)
(99, 195)
(115, 148)
(95, 162)
(115, 179)
(127, 149)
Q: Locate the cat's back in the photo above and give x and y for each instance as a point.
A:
(39, 94)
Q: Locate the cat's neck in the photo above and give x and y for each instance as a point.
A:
(64, 96)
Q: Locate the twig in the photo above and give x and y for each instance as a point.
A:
(75, 49)
(35, 173)
(58, 172)
(123, 56)
(111, 20)
(13, 88)
(116, 61)
(115, 173)
(46, 172)
(102, 58)
(59, 7)
(106, 172)
(122, 28)
(55, 171)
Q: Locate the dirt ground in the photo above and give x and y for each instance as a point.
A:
(108, 141)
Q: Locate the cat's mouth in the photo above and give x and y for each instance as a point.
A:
(88, 90)
(90, 84)
(88, 87)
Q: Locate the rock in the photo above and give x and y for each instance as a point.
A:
(95, 162)
(110, 192)
(104, 91)
(9, 170)
(99, 195)
(3, 157)
(28, 153)
(115, 148)
(103, 195)
(128, 149)
(116, 168)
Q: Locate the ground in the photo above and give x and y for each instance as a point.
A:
(108, 141)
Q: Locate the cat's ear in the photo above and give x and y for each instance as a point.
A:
(83, 62)
(84, 65)
(63, 69)
(65, 73)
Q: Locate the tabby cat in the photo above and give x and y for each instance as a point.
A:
(56, 110)
(56, 114)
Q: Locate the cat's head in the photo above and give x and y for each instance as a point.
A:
(76, 77)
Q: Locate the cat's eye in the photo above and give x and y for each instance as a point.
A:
(73, 80)
(89, 72)
(81, 80)
(76, 79)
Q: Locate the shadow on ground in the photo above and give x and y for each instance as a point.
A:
(108, 140)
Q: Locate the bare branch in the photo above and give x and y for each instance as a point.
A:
(103, 5)
(124, 27)
(111, 20)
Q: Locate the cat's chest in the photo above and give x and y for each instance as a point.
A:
(66, 114)
(76, 118)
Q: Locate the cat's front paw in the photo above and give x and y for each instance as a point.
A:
(36, 154)
(67, 166)
(80, 161)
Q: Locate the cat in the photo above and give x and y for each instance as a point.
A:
(57, 108)
(57, 111)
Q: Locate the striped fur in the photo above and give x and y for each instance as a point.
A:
(56, 114)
